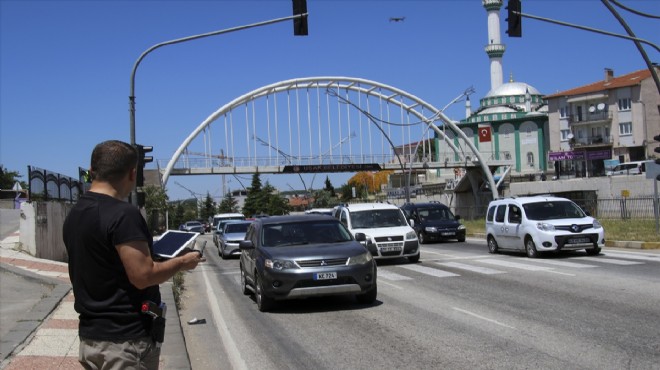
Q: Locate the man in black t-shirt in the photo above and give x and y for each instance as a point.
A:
(111, 266)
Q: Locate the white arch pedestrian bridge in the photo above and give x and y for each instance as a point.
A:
(327, 124)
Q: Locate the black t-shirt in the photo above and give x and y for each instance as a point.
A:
(108, 304)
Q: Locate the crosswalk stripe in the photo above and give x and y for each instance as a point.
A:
(563, 263)
(612, 261)
(429, 271)
(479, 269)
(514, 265)
(631, 256)
(389, 275)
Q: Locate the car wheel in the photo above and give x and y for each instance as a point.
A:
(530, 248)
(415, 258)
(492, 245)
(244, 286)
(593, 251)
(368, 297)
(264, 303)
(222, 252)
(422, 238)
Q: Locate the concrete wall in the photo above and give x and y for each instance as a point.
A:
(41, 229)
(605, 187)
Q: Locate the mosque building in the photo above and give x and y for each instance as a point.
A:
(511, 122)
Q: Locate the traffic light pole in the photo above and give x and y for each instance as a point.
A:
(300, 28)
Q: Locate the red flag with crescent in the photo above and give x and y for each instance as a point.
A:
(484, 134)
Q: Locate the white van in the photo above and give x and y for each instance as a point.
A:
(628, 168)
(226, 216)
(388, 233)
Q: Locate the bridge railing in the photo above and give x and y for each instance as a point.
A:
(387, 161)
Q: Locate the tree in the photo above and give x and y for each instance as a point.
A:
(254, 201)
(208, 209)
(9, 178)
(323, 199)
(179, 216)
(155, 207)
(276, 204)
(229, 204)
(329, 188)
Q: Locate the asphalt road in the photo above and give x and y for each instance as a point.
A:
(460, 307)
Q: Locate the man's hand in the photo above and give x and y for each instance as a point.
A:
(190, 259)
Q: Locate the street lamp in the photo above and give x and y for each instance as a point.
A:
(131, 97)
(457, 99)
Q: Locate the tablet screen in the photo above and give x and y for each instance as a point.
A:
(172, 242)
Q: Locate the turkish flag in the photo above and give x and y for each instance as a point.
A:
(484, 134)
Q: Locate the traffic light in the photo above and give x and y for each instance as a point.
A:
(300, 24)
(142, 160)
(514, 18)
(657, 151)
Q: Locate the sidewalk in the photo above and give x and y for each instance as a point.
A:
(46, 336)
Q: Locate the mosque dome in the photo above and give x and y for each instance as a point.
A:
(512, 89)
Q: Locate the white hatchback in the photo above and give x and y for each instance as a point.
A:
(541, 224)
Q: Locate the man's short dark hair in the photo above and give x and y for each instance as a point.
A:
(112, 160)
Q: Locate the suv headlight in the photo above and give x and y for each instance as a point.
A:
(280, 264)
(410, 235)
(461, 227)
(431, 229)
(544, 226)
(359, 260)
(597, 225)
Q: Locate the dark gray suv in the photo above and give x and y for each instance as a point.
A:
(289, 257)
(434, 221)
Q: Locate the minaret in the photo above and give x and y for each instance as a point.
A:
(494, 49)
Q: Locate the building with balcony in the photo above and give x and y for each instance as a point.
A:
(595, 126)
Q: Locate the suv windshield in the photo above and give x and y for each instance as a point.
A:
(552, 210)
(377, 218)
(236, 228)
(435, 214)
(275, 235)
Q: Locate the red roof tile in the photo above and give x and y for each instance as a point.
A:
(629, 79)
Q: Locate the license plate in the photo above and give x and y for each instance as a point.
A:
(390, 249)
(579, 240)
(325, 275)
(448, 233)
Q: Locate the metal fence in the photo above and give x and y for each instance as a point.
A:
(47, 185)
(641, 208)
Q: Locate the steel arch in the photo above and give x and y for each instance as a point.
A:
(359, 85)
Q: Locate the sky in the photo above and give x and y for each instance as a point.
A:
(65, 66)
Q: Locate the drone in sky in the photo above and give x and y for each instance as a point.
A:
(397, 19)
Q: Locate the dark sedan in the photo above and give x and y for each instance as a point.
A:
(289, 257)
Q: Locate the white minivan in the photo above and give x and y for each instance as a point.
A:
(538, 224)
(628, 168)
(388, 233)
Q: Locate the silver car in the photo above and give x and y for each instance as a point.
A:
(231, 235)
(289, 257)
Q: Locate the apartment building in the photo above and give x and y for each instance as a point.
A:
(606, 122)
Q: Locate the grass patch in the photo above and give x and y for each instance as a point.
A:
(622, 230)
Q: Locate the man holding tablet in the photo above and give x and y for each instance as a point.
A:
(112, 270)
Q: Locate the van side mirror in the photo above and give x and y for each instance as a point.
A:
(361, 237)
(411, 222)
(245, 245)
(457, 217)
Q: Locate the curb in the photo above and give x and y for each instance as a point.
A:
(22, 330)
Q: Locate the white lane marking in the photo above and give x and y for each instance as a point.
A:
(479, 269)
(633, 256)
(389, 275)
(563, 263)
(560, 273)
(429, 271)
(515, 265)
(439, 254)
(482, 317)
(612, 261)
(390, 284)
(233, 353)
